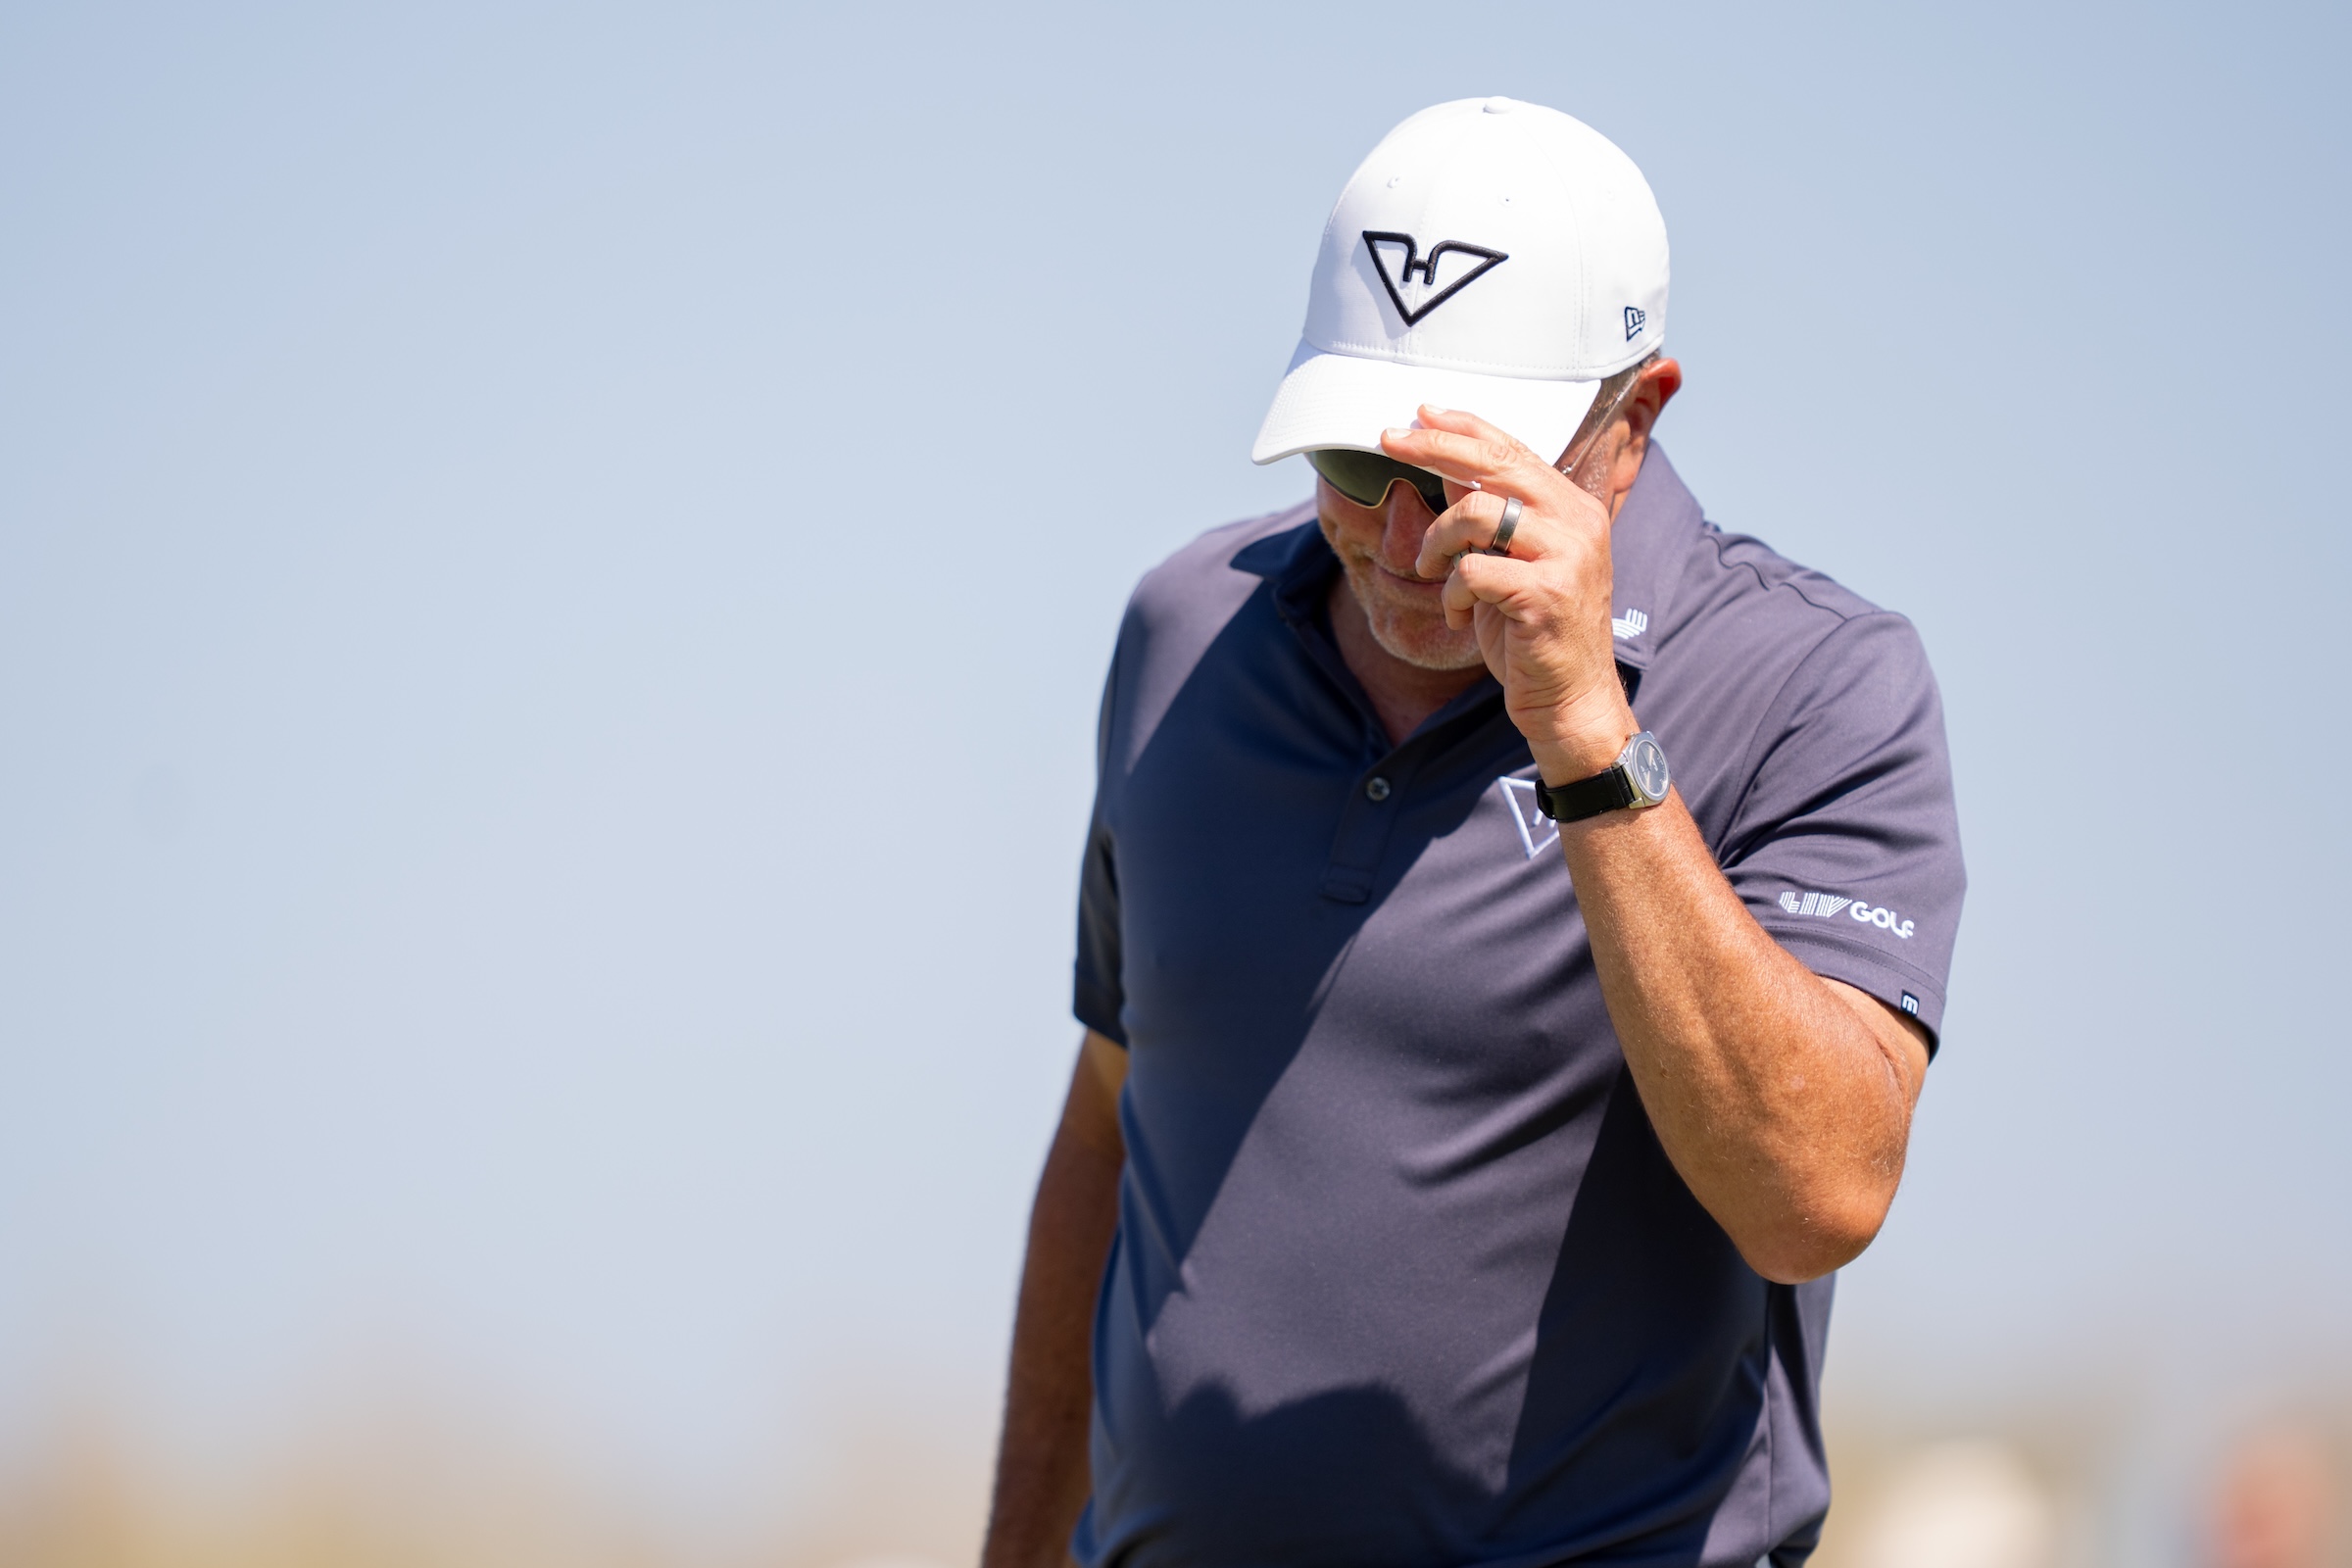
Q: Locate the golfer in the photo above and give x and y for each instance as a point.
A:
(1513, 935)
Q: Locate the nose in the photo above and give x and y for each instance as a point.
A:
(1405, 518)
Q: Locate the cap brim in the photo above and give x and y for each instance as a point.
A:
(1337, 400)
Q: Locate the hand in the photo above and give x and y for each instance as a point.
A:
(1542, 613)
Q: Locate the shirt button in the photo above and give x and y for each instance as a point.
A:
(1376, 789)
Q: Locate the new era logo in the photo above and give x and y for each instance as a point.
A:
(1536, 832)
(1476, 261)
(1632, 623)
(1633, 322)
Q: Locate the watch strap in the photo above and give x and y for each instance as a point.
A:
(1610, 790)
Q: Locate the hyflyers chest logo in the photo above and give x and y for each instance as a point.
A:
(1451, 267)
(1823, 904)
(1536, 832)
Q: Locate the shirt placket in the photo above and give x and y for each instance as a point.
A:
(1367, 822)
(1378, 795)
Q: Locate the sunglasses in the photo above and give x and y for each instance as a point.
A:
(1364, 477)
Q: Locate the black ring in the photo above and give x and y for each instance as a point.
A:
(1510, 526)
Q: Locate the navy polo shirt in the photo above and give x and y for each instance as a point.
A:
(1402, 1275)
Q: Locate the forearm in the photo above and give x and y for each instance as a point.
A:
(1782, 1098)
(1042, 1479)
(1780, 1103)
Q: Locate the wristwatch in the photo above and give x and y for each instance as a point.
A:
(1638, 779)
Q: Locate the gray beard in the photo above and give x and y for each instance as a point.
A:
(1448, 651)
(1439, 659)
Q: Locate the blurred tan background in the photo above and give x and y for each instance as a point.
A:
(417, 1491)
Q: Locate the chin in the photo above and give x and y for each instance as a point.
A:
(1424, 647)
(1423, 640)
(1407, 623)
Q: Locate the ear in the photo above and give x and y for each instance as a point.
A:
(1647, 400)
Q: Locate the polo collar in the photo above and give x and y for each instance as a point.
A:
(1298, 566)
(1296, 563)
(1653, 536)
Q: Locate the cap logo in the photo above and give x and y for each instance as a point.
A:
(1427, 266)
(1633, 321)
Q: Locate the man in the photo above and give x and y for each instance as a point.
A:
(1481, 1081)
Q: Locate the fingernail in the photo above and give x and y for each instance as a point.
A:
(1395, 433)
(1437, 407)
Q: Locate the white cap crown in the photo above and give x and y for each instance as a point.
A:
(1483, 243)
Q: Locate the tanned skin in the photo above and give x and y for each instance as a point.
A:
(1782, 1098)
(1042, 1477)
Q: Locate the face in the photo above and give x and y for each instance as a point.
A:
(1376, 547)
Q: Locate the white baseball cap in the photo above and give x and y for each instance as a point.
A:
(1490, 256)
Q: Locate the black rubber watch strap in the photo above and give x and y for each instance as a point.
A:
(1609, 791)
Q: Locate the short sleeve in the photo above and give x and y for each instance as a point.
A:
(1097, 995)
(1847, 844)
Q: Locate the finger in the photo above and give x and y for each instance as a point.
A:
(1497, 580)
(1487, 463)
(1459, 601)
(1461, 421)
(1473, 525)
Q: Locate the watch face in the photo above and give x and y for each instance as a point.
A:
(1647, 765)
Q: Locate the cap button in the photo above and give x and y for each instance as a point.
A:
(1499, 105)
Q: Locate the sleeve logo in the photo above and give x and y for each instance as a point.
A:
(1822, 905)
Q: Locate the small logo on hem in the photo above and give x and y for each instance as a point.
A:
(1632, 623)
(1910, 1004)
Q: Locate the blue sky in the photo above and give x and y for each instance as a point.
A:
(554, 564)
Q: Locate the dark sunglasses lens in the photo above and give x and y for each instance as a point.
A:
(1361, 476)
(1364, 477)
